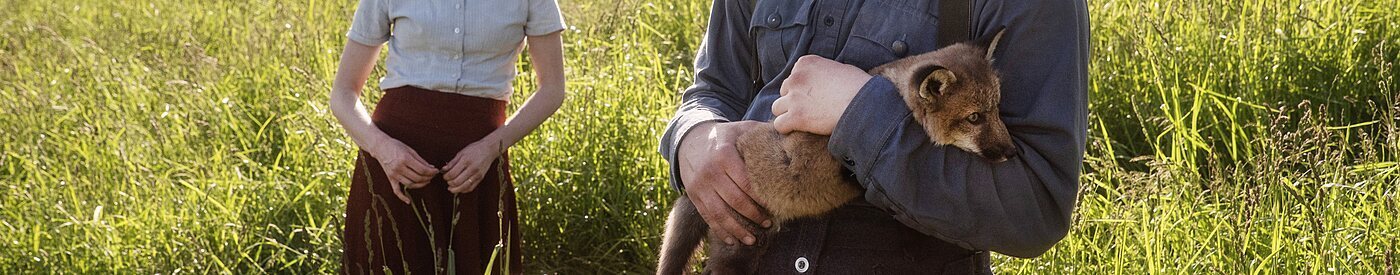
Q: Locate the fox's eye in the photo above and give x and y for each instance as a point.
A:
(974, 118)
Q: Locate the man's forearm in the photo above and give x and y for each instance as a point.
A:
(723, 79)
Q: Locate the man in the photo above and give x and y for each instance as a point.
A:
(926, 208)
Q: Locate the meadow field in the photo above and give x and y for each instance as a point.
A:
(169, 136)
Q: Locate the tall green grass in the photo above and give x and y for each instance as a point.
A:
(171, 136)
(1251, 136)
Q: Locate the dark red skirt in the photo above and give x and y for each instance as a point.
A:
(440, 231)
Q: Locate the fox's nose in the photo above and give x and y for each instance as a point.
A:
(1001, 153)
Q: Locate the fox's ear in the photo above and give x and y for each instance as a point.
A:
(990, 42)
(932, 80)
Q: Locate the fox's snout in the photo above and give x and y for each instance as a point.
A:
(999, 153)
(995, 142)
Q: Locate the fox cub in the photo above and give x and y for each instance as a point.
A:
(953, 93)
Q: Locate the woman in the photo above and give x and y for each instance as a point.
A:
(432, 175)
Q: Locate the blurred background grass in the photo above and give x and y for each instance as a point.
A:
(166, 136)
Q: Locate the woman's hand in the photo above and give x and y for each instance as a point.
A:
(402, 166)
(816, 94)
(466, 170)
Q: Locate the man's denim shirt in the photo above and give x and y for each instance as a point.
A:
(1020, 207)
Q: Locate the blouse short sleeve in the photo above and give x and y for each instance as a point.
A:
(371, 23)
(544, 18)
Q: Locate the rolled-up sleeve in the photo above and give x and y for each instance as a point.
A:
(724, 78)
(1020, 207)
(544, 18)
(371, 23)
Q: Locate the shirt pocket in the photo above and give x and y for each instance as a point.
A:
(499, 32)
(776, 27)
(417, 32)
(884, 31)
(411, 38)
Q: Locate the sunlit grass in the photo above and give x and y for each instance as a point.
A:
(192, 136)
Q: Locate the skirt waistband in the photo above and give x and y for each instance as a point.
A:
(434, 107)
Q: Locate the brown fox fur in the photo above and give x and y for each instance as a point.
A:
(953, 92)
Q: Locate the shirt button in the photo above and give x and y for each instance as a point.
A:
(800, 265)
(829, 21)
(459, 6)
(848, 161)
(456, 30)
(899, 47)
(773, 20)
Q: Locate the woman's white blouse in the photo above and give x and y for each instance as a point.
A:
(466, 47)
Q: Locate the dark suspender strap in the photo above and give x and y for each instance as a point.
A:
(954, 22)
(757, 75)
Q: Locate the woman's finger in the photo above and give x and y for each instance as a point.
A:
(422, 165)
(456, 172)
(419, 184)
(414, 177)
(402, 180)
(456, 182)
(467, 181)
(452, 163)
(461, 187)
(451, 184)
(398, 192)
(416, 167)
(471, 184)
(464, 182)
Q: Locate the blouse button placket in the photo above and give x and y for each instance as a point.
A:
(462, 40)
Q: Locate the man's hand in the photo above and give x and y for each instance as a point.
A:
(716, 181)
(815, 95)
